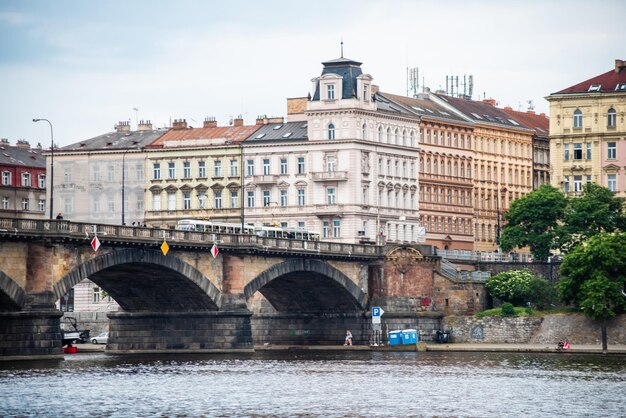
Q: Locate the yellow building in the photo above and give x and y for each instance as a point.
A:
(588, 133)
(195, 173)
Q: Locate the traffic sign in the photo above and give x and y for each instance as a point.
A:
(215, 250)
(95, 243)
(377, 311)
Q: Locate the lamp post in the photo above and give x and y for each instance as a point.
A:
(51, 165)
(124, 185)
(241, 198)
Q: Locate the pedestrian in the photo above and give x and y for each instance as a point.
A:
(348, 340)
(60, 216)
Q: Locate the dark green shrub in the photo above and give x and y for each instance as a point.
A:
(507, 309)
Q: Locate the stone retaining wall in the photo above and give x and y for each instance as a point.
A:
(577, 328)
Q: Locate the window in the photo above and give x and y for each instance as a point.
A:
(42, 181)
(611, 118)
(217, 168)
(330, 163)
(6, 178)
(336, 228)
(331, 131)
(139, 171)
(171, 201)
(578, 119)
(251, 199)
(283, 166)
(187, 200)
(187, 169)
(201, 169)
(330, 195)
(380, 134)
(301, 201)
(156, 170)
(234, 168)
(202, 200)
(96, 295)
(67, 175)
(589, 150)
(283, 197)
(300, 165)
(42, 205)
(234, 199)
(578, 183)
(566, 184)
(139, 202)
(156, 202)
(266, 166)
(566, 152)
(218, 199)
(611, 150)
(250, 167)
(612, 182)
(330, 92)
(110, 174)
(5, 202)
(25, 179)
(578, 151)
(301, 225)
(171, 170)
(325, 229)
(25, 204)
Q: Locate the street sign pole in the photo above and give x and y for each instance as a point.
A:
(377, 313)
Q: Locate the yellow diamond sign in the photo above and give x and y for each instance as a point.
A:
(165, 248)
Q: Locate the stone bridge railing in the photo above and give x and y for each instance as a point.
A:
(118, 235)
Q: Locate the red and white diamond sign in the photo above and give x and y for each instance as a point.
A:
(95, 243)
(214, 250)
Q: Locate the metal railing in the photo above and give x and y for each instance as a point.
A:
(464, 255)
(40, 228)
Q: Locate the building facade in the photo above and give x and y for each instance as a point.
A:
(93, 177)
(23, 181)
(588, 133)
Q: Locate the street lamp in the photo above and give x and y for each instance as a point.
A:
(51, 165)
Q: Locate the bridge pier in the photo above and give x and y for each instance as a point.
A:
(33, 332)
(153, 332)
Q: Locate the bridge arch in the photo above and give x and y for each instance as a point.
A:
(146, 280)
(306, 285)
(12, 296)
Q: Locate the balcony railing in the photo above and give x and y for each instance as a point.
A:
(265, 179)
(329, 176)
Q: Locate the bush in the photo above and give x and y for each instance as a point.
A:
(521, 287)
(507, 309)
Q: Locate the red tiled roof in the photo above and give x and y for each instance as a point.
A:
(607, 81)
(540, 123)
(227, 133)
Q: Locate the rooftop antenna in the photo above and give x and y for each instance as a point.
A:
(413, 81)
(531, 106)
(341, 47)
(136, 115)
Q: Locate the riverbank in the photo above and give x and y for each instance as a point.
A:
(460, 347)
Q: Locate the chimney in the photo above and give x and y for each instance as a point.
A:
(179, 124)
(508, 108)
(264, 119)
(122, 126)
(39, 146)
(144, 125)
(23, 144)
(491, 102)
(4, 141)
(296, 105)
(619, 65)
(238, 121)
(209, 122)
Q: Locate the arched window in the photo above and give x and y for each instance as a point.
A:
(456, 169)
(404, 142)
(443, 168)
(449, 170)
(331, 131)
(363, 131)
(421, 165)
(578, 119)
(611, 118)
(396, 137)
(389, 135)
(412, 138)
(380, 134)
(469, 171)
(435, 167)
(428, 165)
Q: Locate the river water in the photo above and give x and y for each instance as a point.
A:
(317, 384)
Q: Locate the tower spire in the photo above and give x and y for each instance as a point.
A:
(341, 47)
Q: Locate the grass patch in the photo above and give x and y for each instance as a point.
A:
(522, 311)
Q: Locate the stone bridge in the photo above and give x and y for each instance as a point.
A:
(256, 291)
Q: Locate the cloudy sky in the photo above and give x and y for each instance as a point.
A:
(86, 65)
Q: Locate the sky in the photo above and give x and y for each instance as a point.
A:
(86, 65)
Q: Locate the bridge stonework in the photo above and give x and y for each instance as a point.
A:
(256, 291)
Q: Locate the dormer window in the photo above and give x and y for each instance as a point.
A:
(331, 131)
(330, 91)
(595, 87)
(366, 93)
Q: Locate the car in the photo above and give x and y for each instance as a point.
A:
(100, 339)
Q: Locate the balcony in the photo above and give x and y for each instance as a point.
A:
(265, 179)
(329, 210)
(329, 176)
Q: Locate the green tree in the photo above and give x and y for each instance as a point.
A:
(593, 277)
(596, 210)
(533, 221)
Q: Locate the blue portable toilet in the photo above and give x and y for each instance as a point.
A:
(409, 336)
(395, 337)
